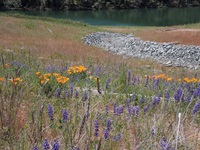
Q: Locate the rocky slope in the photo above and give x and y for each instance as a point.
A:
(128, 45)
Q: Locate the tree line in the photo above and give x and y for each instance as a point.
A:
(92, 4)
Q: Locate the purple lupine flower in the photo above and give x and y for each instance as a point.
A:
(189, 98)
(55, 145)
(35, 148)
(166, 84)
(57, 93)
(115, 108)
(153, 130)
(50, 68)
(96, 128)
(145, 108)
(134, 80)
(98, 71)
(64, 116)
(46, 145)
(50, 112)
(107, 82)
(196, 108)
(197, 92)
(156, 82)
(135, 110)
(133, 97)
(129, 110)
(167, 96)
(120, 110)
(67, 95)
(76, 148)
(76, 94)
(71, 90)
(142, 100)
(129, 77)
(178, 94)
(106, 109)
(138, 80)
(128, 101)
(164, 144)
(117, 137)
(106, 134)
(155, 101)
(147, 81)
(85, 95)
(108, 124)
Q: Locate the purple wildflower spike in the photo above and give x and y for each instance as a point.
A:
(189, 97)
(55, 145)
(107, 82)
(106, 109)
(178, 95)
(96, 128)
(115, 108)
(35, 148)
(65, 115)
(197, 92)
(85, 96)
(135, 110)
(153, 130)
(50, 112)
(133, 97)
(145, 108)
(164, 144)
(57, 93)
(120, 110)
(196, 108)
(117, 137)
(155, 101)
(129, 77)
(128, 101)
(147, 81)
(167, 96)
(76, 94)
(108, 124)
(71, 90)
(46, 145)
(129, 110)
(106, 134)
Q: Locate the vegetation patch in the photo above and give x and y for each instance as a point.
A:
(57, 93)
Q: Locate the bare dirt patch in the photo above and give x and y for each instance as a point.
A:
(169, 35)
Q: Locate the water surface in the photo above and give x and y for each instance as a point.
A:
(133, 17)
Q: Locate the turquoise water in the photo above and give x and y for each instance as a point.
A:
(133, 17)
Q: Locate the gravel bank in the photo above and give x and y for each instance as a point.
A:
(128, 45)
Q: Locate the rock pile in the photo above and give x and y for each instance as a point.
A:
(128, 45)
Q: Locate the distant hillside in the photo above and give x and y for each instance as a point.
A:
(92, 4)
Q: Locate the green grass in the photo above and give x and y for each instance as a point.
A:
(25, 121)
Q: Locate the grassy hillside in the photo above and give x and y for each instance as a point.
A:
(58, 93)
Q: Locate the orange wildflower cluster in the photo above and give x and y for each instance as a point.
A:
(76, 69)
(61, 79)
(162, 76)
(1, 79)
(192, 80)
(7, 65)
(47, 76)
(16, 81)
